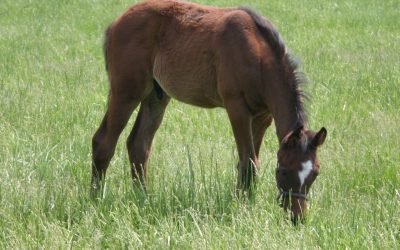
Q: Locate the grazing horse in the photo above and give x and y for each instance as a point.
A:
(208, 57)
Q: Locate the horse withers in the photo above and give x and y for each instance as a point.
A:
(208, 57)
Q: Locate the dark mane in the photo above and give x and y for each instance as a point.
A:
(295, 77)
(296, 80)
(268, 31)
(106, 44)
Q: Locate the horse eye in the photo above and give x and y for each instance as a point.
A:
(284, 172)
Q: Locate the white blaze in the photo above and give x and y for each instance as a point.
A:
(307, 167)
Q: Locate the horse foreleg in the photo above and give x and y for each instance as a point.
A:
(140, 139)
(241, 120)
(104, 140)
(259, 125)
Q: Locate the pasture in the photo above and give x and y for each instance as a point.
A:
(53, 94)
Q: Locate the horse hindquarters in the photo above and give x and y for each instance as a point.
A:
(128, 63)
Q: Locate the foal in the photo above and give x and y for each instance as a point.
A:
(208, 57)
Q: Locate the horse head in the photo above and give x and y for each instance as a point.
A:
(297, 169)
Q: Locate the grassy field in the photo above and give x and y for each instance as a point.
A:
(53, 93)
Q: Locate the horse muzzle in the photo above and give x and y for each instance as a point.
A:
(296, 203)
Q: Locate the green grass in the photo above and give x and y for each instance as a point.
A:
(53, 91)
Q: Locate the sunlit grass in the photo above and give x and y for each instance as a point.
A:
(53, 95)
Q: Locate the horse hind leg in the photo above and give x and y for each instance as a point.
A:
(105, 139)
(141, 137)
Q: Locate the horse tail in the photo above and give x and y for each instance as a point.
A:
(268, 31)
(106, 45)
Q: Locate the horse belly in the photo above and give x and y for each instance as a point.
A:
(187, 77)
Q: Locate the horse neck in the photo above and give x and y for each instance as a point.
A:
(285, 111)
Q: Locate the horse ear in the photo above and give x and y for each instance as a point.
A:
(293, 137)
(319, 138)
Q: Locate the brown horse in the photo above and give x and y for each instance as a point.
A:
(208, 57)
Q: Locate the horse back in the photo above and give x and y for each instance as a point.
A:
(199, 55)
